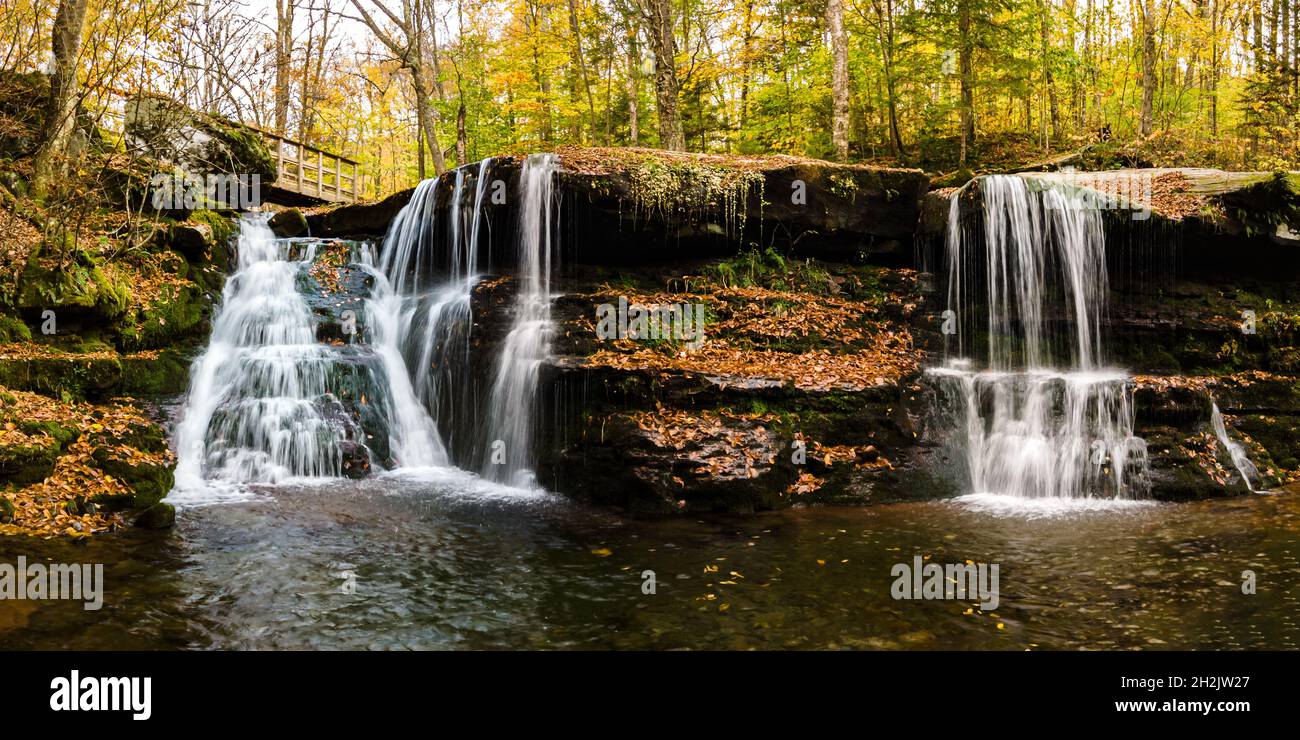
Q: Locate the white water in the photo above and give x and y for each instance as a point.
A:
(250, 416)
(1240, 460)
(435, 316)
(1027, 428)
(263, 405)
(511, 403)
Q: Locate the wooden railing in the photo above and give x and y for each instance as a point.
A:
(310, 171)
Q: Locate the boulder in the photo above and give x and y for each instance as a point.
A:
(198, 143)
(289, 223)
(359, 219)
(161, 515)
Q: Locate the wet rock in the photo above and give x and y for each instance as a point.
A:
(359, 219)
(161, 515)
(288, 223)
(356, 460)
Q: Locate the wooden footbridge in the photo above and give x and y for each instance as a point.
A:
(309, 172)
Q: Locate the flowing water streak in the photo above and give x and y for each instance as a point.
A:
(413, 437)
(259, 403)
(1240, 460)
(511, 404)
(1028, 429)
(434, 316)
(442, 350)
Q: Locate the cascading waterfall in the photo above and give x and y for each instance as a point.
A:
(1043, 419)
(269, 402)
(434, 316)
(1240, 460)
(513, 396)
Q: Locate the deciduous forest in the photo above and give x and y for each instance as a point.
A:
(415, 86)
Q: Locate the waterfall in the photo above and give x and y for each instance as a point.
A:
(278, 396)
(271, 402)
(433, 268)
(512, 399)
(1240, 460)
(1043, 418)
(250, 416)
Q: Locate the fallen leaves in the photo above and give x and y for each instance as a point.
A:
(63, 503)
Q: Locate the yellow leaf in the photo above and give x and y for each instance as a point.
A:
(602, 552)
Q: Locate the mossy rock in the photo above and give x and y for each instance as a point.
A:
(164, 374)
(74, 376)
(25, 464)
(172, 316)
(7, 510)
(81, 290)
(193, 240)
(14, 330)
(199, 143)
(150, 482)
(288, 223)
(161, 515)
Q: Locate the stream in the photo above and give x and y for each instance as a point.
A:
(440, 559)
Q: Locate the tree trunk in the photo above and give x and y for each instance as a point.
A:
(283, 62)
(633, 88)
(839, 78)
(61, 108)
(1148, 66)
(581, 62)
(964, 71)
(426, 116)
(666, 84)
(885, 31)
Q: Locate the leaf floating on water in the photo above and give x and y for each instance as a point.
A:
(602, 552)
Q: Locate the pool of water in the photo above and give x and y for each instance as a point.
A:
(441, 560)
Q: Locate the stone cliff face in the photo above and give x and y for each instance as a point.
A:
(819, 287)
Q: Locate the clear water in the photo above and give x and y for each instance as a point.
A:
(453, 562)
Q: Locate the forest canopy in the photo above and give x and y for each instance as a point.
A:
(407, 87)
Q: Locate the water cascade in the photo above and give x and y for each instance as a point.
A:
(1245, 468)
(1041, 417)
(510, 410)
(269, 401)
(279, 396)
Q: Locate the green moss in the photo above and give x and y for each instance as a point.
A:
(223, 228)
(25, 464)
(149, 482)
(672, 187)
(166, 374)
(169, 317)
(62, 376)
(14, 330)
